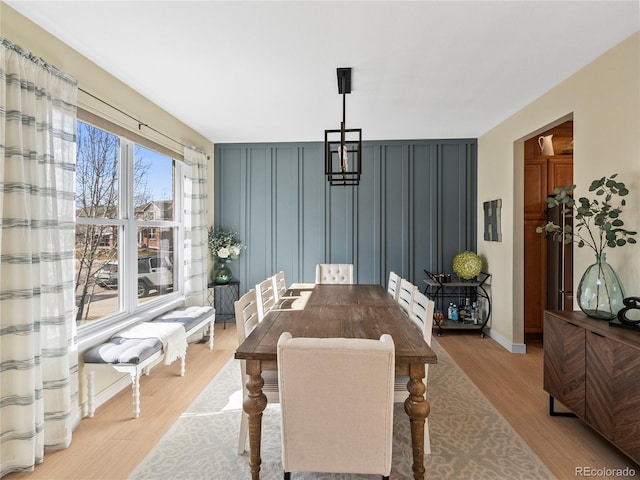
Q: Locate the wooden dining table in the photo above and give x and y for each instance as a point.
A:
(333, 311)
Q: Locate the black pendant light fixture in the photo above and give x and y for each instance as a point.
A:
(343, 148)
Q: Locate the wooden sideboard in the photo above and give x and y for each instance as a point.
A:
(594, 370)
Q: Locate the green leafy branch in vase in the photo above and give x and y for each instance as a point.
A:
(597, 221)
(596, 224)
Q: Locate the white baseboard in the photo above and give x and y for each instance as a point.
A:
(511, 347)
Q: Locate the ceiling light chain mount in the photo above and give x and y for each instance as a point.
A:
(343, 148)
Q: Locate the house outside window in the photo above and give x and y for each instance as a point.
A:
(127, 230)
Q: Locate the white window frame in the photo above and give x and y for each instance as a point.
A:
(129, 311)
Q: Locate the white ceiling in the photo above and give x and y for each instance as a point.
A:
(265, 71)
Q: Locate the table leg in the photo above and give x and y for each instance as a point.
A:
(417, 408)
(254, 404)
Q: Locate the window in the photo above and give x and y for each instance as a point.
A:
(127, 227)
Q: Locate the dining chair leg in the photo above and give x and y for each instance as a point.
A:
(287, 475)
(244, 427)
(427, 439)
(384, 477)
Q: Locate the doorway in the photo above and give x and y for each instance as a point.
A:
(548, 264)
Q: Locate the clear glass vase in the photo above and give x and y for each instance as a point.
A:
(221, 274)
(600, 293)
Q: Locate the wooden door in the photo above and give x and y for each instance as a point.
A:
(560, 172)
(560, 284)
(535, 245)
(542, 174)
(535, 296)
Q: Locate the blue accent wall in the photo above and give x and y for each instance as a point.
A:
(415, 208)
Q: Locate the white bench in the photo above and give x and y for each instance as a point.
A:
(136, 356)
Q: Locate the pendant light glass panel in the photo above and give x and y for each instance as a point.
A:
(343, 161)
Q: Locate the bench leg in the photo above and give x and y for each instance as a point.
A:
(135, 385)
(211, 333)
(183, 363)
(91, 393)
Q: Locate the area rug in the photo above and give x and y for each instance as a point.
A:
(469, 438)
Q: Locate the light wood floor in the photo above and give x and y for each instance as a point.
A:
(110, 445)
(513, 384)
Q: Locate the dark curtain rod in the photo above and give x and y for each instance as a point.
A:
(140, 124)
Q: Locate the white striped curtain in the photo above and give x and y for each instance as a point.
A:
(195, 224)
(38, 354)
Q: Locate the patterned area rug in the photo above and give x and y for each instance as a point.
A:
(469, 438)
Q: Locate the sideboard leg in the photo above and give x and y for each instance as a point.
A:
(552, 411)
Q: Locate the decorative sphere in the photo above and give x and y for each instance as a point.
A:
(467, 265)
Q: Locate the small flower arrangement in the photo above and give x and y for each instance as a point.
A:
(223, 245)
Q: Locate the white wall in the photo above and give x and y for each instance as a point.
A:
(100, 83)
(604, 100)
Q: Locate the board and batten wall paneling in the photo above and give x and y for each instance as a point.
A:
(413, 210)
(424, 215)
(286, 220)
(395, 232)
(259, 214)
(367, 261)
(339, 216)
(311, 195)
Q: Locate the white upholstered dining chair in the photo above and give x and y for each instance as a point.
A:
(334, 273)
(266, 297)
(246, 309)
(405, 294)
(421, 314)
(393, 285)
(323, 431)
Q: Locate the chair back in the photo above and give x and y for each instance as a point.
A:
(265, 296)
(405, 295)
(334, 273)
(246, 310)
(392, 286)
(279, 286)
(422, 314)
(324, 428)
